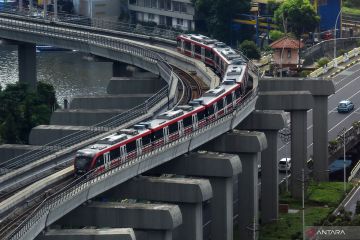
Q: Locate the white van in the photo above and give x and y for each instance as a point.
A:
(285, 164)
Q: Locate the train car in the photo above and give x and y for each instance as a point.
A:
(113, 150)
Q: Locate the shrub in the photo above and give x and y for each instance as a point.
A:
(305, 73)
(323, 61)
(342, 52)
(250, 49)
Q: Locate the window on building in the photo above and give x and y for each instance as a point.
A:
(147, 3)
(140, 3)
(289, 53)
(176, 6)
(154, 3)
(161, 4)
(183, 8)
(162, 20)
(133, 2)
(168, 5)
(179, 21)
(151, 17)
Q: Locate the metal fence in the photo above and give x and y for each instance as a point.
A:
(89, 39)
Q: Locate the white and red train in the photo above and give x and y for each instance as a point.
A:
(169, 126)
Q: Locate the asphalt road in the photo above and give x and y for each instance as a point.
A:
(347, 86)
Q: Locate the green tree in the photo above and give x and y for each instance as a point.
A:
(214, 17)
(352, 3)
(276, 34)
(250, 50)
(297, 16)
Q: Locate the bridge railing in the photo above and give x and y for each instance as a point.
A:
(351, 134)
(34, 218)
(115, 44)
(37, 15)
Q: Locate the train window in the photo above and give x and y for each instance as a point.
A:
(187, 121)
(99, 160)
(115, 153)
(220, 104)
(197, 49)
(201, 115)
(146, 140)
(131, 146)
(209, 54)
(187, 46)
(237, 93)
(229, 99)
(173, 128)
(157, 135)
(210, 110)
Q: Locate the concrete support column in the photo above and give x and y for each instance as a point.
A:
(248, 145)
(89, 234)
(187, 193)
(219, 169)
(270, 122)
(298, 150)
(150, 221)
(27, 64)
(119, 69)
(320, 138)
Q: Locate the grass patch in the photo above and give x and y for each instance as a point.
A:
(321, 200)
(352, 11)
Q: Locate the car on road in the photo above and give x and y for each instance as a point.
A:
(345, 106)
(284, 164)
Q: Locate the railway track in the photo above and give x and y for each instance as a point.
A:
(10, 222)
(191, 86)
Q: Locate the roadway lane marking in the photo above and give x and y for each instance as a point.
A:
(351, 197)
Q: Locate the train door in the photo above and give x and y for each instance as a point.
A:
(225, 105)
(195, 123)
(192, 50)
(215, 110)
(123, 153)
(107, 161)
(181, 128)
(139, 146)
(203, 54)
(182, 45)
(166, 134)
(233, 99)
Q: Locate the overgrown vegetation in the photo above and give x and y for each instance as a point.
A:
(250, 50)
(22, 109)
(323, 61)
(321, 201)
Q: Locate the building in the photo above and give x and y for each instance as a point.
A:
(177, 14)
(329, 12)
(286, 53)
(105, 9)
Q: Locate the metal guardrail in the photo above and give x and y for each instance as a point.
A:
(37, 15)
(91, 39)
(342, 59)
(57, 199)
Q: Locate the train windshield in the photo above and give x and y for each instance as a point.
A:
(82, 163)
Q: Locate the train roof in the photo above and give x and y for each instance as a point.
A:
(124, 135)
(213, 94)
(235, 73)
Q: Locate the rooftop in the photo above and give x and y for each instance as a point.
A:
(286, 42)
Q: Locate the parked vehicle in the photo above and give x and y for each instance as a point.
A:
(345, 106)
(285, 164)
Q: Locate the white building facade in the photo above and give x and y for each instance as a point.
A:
(178, 14)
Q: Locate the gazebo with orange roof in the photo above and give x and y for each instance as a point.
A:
(286, 52)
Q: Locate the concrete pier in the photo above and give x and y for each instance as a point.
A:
(88, 234)
(45, 134)
(189, 194)
(155, 221)
(320, 89)
(297, 103)
(248, 145)
(219, 169)
(269, 122)
(27, 64)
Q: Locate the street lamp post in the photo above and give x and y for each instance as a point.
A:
(335, 36)
(342, 134)
(285, 136)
